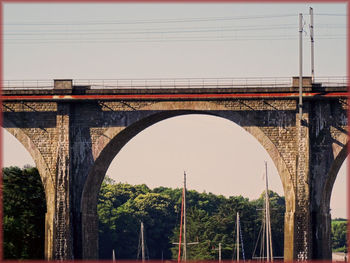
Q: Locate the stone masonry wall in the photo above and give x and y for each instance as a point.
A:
(78, 140)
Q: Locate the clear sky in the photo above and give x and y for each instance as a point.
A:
(113, 41)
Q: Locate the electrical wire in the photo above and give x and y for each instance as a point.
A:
(153, 21)
(159, 34)
(153, 31)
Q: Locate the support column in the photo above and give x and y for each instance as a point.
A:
(90, 233)
(62, 219)
(49, 229)
(62, 243)
(321, 222)
(302, 221)
(326, 159)
(289, 236)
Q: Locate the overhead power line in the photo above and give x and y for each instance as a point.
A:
(164, 29)
(153, 31)
(324, 14)
(157, 21)
(151, 21)
(155, 40)
(150, 31)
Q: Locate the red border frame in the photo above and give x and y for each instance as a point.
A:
(155, 1)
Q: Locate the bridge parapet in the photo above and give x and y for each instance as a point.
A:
(176, 83)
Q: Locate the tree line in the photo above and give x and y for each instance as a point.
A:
(210, 220)
(122, 207)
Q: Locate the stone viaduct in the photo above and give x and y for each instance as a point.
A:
(73, 133)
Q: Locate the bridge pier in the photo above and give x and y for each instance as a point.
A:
(298, 236)
(72, 158)
(62, 245)
(329, 150)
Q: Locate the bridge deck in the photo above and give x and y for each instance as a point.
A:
(86, 93)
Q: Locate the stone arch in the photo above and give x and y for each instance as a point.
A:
(321, 216)
(46, 178)
(339, 159)
(112, 141)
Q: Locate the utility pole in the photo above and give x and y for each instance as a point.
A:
(312, 44)
(300, 65)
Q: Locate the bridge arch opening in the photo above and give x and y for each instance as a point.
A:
(339, 213)
(201, 145)
(236, 154)
(24, 201)
(339, 193)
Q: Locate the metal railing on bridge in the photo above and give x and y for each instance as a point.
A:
(173, 83)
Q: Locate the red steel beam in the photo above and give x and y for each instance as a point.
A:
(170, 96)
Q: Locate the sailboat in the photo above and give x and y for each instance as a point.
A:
(113, 255)
(183, 226)
(239, 239)
(266, 250)
(142, 244)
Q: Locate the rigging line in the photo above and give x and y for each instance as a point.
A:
(257, 241)
(25, 23)
(240, 231)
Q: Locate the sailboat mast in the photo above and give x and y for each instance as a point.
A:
(184, 233)
(269, 251)
(267, 217)
(237, 242)
(142, 243)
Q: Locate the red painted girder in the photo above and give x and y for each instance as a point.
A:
(170, 96)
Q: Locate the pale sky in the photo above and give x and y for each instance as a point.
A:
(114, 41)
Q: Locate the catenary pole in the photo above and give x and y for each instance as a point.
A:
(300, 66)
(312, 44)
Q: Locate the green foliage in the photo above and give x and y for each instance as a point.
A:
(211, 220)
(339, 232)
(24, 214)
(121, 209)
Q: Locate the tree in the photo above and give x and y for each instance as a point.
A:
(211, 220)
(24, 213)
(339, 232)
(156, 211)
(117, 224)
